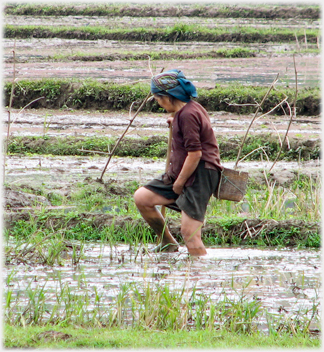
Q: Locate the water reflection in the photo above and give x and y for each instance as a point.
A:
(281, 279)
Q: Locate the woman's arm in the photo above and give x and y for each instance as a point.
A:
(189, 166)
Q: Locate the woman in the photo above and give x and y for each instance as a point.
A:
(194, 170)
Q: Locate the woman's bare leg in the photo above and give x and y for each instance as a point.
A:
(191, 233)
(146, 202)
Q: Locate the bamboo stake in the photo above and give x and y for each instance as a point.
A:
(167, 162)
(255, 115)
(292, 114)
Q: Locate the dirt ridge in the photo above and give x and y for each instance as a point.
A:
(97, 95)
(293, 230)
(299, 148)
(168, 10)
(154, 35)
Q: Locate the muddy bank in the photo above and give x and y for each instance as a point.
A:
(205, 73)
(78, 123)
(156, 146)
(167, 10)
(162, 56)
(40, 49)
(178, 33)
(91, 94)
(158, 22)
(244, 232)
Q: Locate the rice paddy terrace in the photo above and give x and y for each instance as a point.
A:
(71, 73)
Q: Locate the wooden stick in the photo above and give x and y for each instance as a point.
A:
(292, 115)
(167, 162)
(255, 115)
(121, 137)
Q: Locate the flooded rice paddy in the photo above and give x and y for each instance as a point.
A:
(158, 22)
(283, 280)
(203, 72)
(110, 124)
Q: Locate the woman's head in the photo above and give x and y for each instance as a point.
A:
(173, 84)
(168, 102)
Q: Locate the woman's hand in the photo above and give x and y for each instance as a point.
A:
(178, 186)
(170, 120)
(189, 166)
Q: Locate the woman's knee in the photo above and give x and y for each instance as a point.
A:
(139, 196)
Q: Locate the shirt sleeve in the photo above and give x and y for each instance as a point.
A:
(190, 126)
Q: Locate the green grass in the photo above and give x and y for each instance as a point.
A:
(179, 32)
(164, 10)
(269, 215)
(91, 94)
(156, 147)
(148, 306)
(114, 338)
(160, 55)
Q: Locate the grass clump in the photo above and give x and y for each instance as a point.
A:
(156, 147)
(166, 10)
(161, 55)
(91, 94)
(147, 306)
(179, 32)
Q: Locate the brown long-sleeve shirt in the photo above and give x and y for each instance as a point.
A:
(192, 131)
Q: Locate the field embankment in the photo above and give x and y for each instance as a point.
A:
(166, 10)
(96, 95)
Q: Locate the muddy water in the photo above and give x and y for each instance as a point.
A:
(282, 279)
(60, 171)
(110, 124)
(156, 22)
(203, 72)
(38, 48)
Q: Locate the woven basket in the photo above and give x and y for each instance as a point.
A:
(232, 185)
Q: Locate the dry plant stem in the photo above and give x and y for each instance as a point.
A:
(121, 137)
(167, 162)
(255, 151)
(292, 115)
(255, 115)
(9, 109)
(270, 111)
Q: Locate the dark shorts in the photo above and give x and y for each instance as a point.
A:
(194, 199)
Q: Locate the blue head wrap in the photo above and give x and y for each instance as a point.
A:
(174, 83)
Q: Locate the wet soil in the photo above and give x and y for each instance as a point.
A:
(58, 174)
(284, 281)
(66, 122)
(35, 49)
(159, 22)
(203, 72)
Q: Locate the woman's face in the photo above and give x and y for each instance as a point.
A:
(165, 103)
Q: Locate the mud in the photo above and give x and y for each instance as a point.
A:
(38, 49)
(159, 22)
(55, 123)
(284, 281)
(205, 73)
(58, 174)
